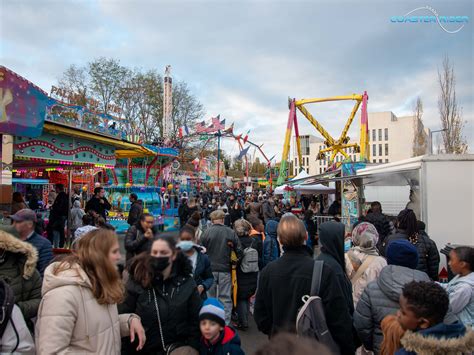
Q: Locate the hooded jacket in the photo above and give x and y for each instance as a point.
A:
(178, 303)
(71, 321)
(19, 271)
(203, 272)
(379, 299)
(331, 239)
(428, 260)
(271, 247)
(442, 339)
(228, 343)
(76, 215)
(285, 281)
(461, 298)
(135, 212)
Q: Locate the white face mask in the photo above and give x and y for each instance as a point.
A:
(185, 245)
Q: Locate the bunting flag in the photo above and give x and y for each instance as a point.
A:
(230, 130)
(246, 136)
(201, 127)
(217, 124)
(243, 152)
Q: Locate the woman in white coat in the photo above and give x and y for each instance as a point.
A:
(78, 312)
(363, 263)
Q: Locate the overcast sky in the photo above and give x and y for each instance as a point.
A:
(243, 59)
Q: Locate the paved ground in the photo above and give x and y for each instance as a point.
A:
(252, 339)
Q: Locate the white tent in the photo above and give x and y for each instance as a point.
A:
(307, 189)
(302, 174)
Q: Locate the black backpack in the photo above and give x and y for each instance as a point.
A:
(311, 320)
(7, 301)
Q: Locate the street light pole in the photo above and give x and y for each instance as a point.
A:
(431, 137)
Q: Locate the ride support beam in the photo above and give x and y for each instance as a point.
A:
(316, 125)
(326, 99)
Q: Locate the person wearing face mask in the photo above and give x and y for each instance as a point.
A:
(163, 293)
(202, 271)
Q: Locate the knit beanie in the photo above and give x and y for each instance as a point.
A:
(212, 309)
(402, 253)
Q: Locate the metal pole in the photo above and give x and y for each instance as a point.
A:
(218, 158)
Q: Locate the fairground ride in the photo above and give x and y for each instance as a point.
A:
(333, 145)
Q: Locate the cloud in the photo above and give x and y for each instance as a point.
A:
(244, 59)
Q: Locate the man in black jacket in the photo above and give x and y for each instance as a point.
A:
(99, 203)
(219, 241)
(58, 217)
(136, 210)
(381, 223)
(285, 281)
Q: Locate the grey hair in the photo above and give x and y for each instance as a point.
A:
(242, 227)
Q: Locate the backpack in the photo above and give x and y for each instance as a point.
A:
(311, 321)
(249, 261)
(7, 301)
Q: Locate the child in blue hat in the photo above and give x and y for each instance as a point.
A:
(216, 337)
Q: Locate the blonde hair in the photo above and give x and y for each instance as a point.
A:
(92, 255)
(291, 231)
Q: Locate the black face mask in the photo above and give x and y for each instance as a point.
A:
(160, 263)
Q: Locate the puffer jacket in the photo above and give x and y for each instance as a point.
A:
(178, 304)
(428, 255)
(441, 339)
(379, 299)
(19, 271)
(227, 343)
(70, 321)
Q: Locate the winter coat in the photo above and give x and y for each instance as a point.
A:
(135, 212)
(94, 205)
(19, 271)
(370, 274)
(17, 336)
(441, 339)
(178, 303)
(255, 209)
(227, 344)
(71, 321)
(271, 246)
(44, 249)
(379, 299)
(76, 215)
(331, 236)
(382, 224)
(235, 215)
(136, 242)
(247, 282)
(285, 281)
(461, 298)
(428, 255)
(268, 211)
(219, 241)
(203, 272)
(60, 207)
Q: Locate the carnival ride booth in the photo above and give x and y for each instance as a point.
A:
(150, 178)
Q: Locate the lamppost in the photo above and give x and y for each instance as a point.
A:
(431, 137)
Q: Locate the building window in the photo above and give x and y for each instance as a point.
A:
(307, 170)
(380, 134)
(386, 148)
(320, 170)
(380, 149)
(374, 150)
(386, 134)
(296, 161)
(374, 161)
(373, 135)
(386, 160)
(380, 160)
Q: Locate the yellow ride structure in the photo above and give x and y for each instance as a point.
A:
(333, 146)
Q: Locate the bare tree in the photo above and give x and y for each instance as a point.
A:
(107, 78)
(450, 113)
(419, 136)
(75, 80)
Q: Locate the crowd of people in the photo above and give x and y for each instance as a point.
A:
(236, 256)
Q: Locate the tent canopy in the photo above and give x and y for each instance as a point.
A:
(306, 189)
(302, 175)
